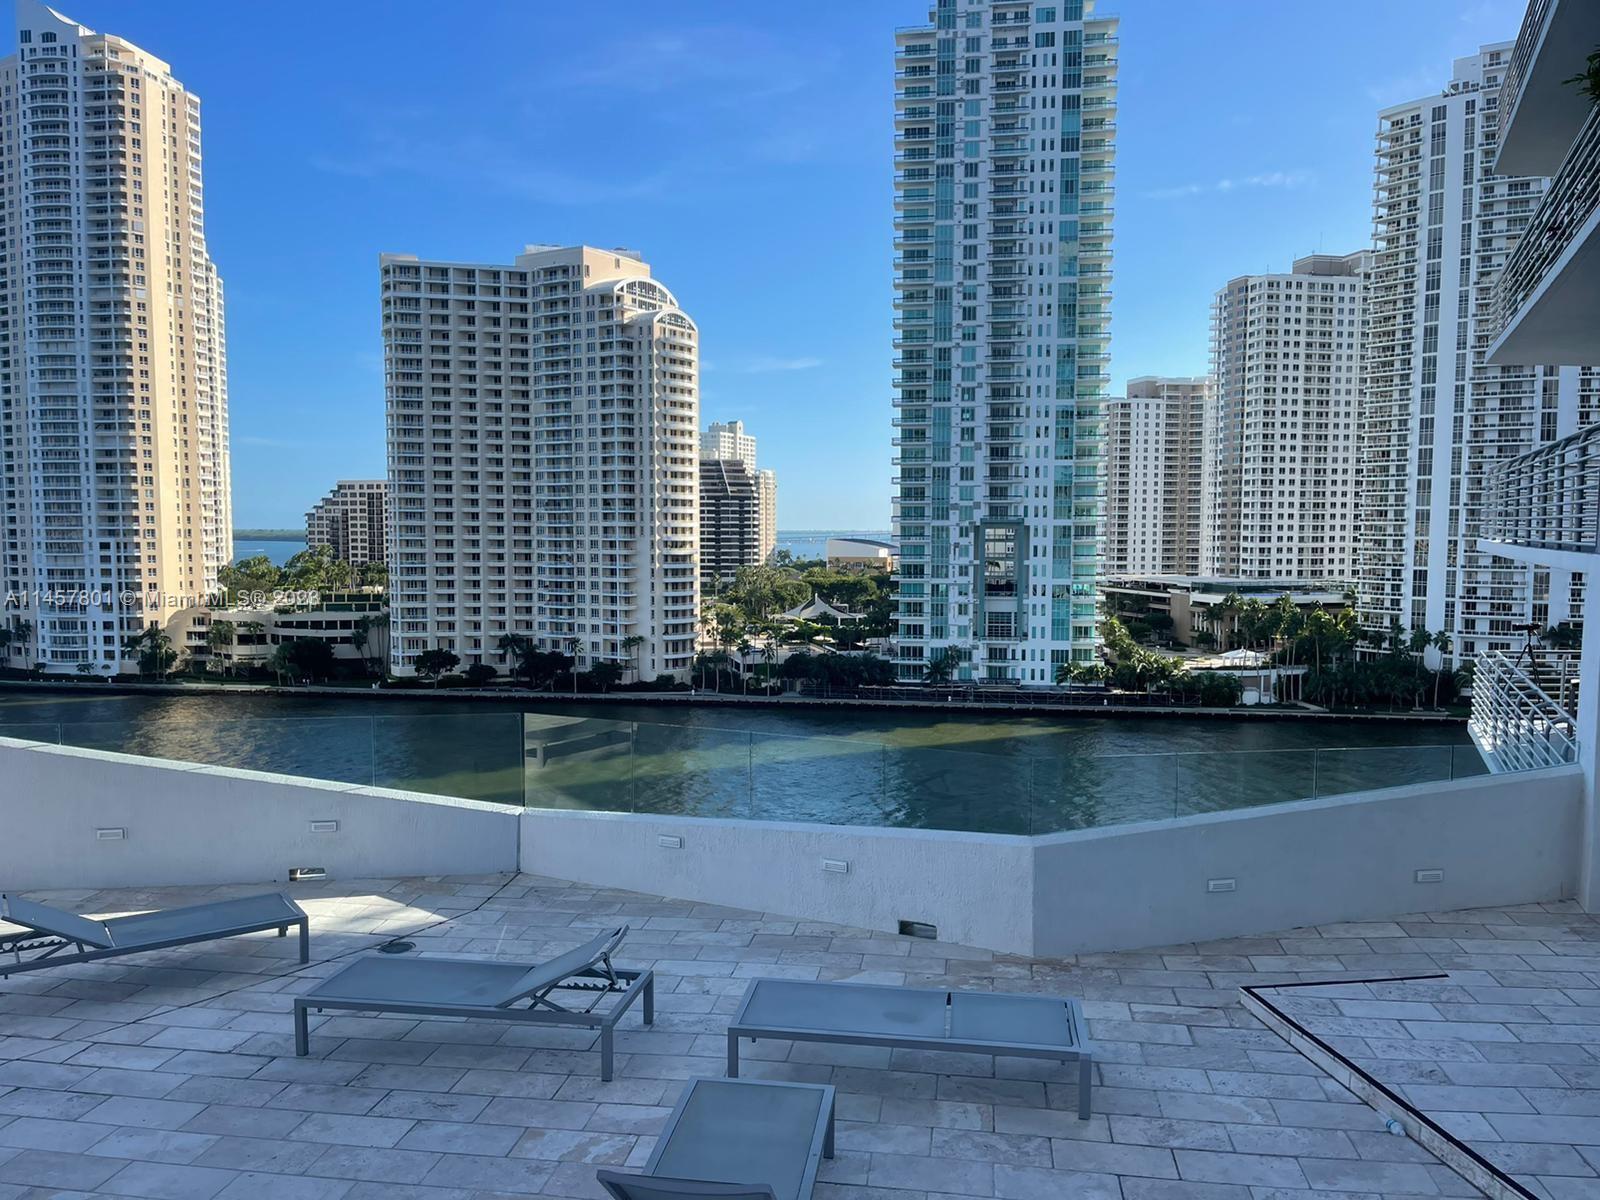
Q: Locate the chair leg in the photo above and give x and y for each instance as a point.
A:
(606, 1053)
(302, 1034)
(827, 1138)
(1085, 1074)
(733, 1056)
(305, 941)
(650, 1000)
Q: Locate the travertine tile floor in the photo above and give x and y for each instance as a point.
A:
(173, 1075)
(1503, 1052)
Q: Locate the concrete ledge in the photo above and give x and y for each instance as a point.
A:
(1492, 840)
(974, 888)
(1495, 839)
(93, 819)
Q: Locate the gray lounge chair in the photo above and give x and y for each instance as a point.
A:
(862, 1014)
(736, 1139)
(488, 989)
(53, 932)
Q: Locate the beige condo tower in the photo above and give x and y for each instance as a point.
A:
(113, 397)
(542, 423)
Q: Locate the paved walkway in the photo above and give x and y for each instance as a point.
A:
(1503, 1052)
(173, 1075)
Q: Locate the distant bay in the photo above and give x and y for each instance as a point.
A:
(802, 543)
(279, 550)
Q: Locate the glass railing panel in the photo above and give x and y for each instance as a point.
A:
(926, 787)
(1087, 791)
(1227, 780)
(577, 762)
(32, 731)
(338, 749)
(1370, 768)
(690, 771)
(827, 780)
(474, 755)
(1466, 762)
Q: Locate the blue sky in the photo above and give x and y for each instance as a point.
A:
(745, 148)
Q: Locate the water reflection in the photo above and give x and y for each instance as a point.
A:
(999, 774)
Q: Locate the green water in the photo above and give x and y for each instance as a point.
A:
(880, 767)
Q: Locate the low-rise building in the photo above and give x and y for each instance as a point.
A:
(1192, 602)
(258, 630)
(861, 554)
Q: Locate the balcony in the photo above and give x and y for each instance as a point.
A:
(1545, 504)
(1522, 713)
(1548, 295)
(1540, 113)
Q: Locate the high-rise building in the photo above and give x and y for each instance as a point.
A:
(1437, 418)
(1004, 160)
(730, 520)
(1154, 441)
(351, 520)
(767, 486)
(1279, 487)
(727, 439)
(542, 422)
(113, 383)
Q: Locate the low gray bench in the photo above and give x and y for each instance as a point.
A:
(736, 1139)
(53, 937)
(489, 989)
(862, 1014)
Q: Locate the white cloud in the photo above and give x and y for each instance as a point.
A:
(765, 364)
(1267, 179)
(480, 162)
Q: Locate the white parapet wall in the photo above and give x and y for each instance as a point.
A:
(1480, 842)
(1483, 842)
(973, 888)
(73, 818)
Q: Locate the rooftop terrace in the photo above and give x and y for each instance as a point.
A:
(173, 1074)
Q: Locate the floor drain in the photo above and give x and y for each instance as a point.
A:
(396, 947)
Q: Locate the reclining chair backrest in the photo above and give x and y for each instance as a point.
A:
(71, 926)
(623, 1186)
(547, 974)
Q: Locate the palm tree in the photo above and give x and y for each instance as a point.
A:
(360, 633)
(1417, 643)
(939, 668)
(1224, 612)
(1286, 624)
(153, 648)
(1443, 644)
(1253, 620)
(219, 637)
(1319, 629)
(716, 660)
(745, 646)
(630, 647)
(18, 637)
(575, 647)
